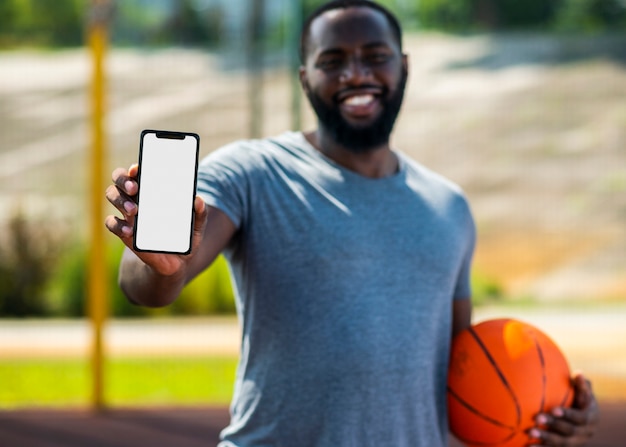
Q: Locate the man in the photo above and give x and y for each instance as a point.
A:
(350, 261)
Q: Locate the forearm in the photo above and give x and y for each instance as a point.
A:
(145, 287)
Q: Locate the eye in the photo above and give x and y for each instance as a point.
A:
(329, 63)
(377, 58)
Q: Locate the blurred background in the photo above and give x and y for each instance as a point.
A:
(523, 104)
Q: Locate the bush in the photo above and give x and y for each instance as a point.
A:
(27, 255)
(209, 293)
(485, 289)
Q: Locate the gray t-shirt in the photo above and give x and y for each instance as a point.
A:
(344, 288)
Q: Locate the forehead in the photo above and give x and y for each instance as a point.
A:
(350, 27)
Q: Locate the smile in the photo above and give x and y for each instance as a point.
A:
(360, 104)
(359, 100)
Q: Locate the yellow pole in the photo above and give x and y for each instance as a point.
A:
(97, 287)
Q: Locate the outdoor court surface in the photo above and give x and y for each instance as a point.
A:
(179, 427)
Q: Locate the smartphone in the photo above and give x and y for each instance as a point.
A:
(168, 166)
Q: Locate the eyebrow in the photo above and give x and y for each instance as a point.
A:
(367, 46)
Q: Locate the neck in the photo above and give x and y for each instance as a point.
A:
(378, 162)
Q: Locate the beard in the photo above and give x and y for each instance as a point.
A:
(360, 138)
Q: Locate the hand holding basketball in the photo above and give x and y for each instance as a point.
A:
(503, 373)
(570, 427)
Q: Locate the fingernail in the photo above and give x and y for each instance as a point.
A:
(128, 185)
(127, 230)
(534, 433)
(129, 206)
(542, 419)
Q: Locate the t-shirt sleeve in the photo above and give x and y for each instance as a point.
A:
(463, 289)
(222, 183)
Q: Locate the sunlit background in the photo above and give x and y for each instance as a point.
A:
(522, 103)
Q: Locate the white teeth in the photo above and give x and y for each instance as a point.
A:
(360, 100)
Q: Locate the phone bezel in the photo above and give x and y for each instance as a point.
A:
(175, 135)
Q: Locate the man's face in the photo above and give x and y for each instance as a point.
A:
(354, 76)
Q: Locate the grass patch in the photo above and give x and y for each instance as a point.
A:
(128, 382)
(485, 289)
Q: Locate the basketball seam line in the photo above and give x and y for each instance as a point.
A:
(478, 412)
(544, 378)
(505, 382)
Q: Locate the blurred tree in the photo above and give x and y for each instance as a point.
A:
(187, 26)
(448, 15)
(508, 14)
(462, 15)
(8, 12)
(13, 14)
(591, 15)
(41, 22)
(58, 23)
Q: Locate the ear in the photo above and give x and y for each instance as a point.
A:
(304, 80)
(405, 62)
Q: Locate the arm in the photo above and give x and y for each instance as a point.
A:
(156, 279)
(461, 315)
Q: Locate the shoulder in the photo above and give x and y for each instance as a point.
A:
(253, 154)
(419, 176)
(443, 193)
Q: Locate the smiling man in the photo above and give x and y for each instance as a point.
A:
(350, 261)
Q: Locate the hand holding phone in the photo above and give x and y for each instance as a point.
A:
(168, 164)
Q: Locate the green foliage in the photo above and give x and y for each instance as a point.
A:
(43, 274)
(61, 22)
(27, 255)
(445, 14)
(187, 27)
(571, 15)
(591, 15)
(41, 22)
(485, 289)
(209, 293)
(526, 14)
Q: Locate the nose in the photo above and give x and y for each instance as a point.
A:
(355, 72)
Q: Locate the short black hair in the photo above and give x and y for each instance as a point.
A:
(343, 4)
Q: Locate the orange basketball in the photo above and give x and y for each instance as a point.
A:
(502, 374)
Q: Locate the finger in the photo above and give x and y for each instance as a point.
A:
(583, 394)
(571, 415)
(562, 426)
(126, 181)
(566, 427)
(122, 202)
(200, 218)
(120, 228)
(199, 206)
(543, 438)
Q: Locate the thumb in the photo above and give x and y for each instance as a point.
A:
(582, 391)
(200, 217)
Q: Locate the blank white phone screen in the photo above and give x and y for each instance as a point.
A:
(167, 181)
